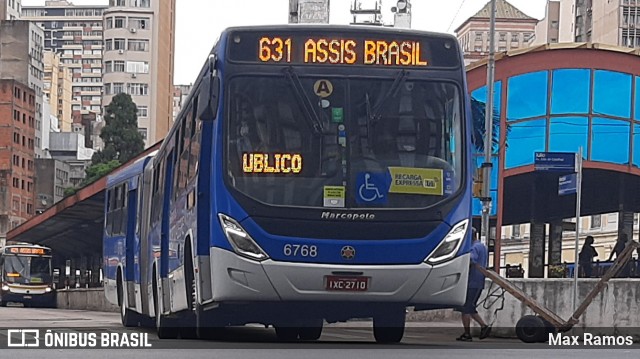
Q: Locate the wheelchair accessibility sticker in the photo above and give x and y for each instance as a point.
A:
(425, 181)
(371, 188)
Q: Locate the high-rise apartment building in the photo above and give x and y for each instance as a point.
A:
(58, 90)
(514, 30)
(139, 37)
(548, 29)
(75, 32)
(17, 150)
(180, 94)
(10, 9)
(612, 22)
(21, 56)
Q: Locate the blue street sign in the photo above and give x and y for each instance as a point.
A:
(555, 161)
(567, 184)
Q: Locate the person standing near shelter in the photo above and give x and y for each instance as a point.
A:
(586, 257)
(479, 256)
(617, 250)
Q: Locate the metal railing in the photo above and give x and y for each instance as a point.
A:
(565, 270)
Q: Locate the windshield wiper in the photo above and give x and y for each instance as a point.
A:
(375, 114)
(303, 99)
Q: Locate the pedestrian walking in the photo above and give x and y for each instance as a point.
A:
(621, 243)
(479, 256)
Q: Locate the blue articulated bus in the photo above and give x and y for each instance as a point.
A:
(123, 249)
(316, 174)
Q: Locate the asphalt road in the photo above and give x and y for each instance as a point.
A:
(348, 340)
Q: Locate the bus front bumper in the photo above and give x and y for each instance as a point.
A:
(236, 279)
(37, 299)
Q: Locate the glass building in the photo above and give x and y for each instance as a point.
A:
(560, 98)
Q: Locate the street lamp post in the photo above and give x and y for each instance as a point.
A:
(488, 127)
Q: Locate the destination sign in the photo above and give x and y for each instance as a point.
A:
(28, 250)
(272, 163)
(343, 51)
(359, 48)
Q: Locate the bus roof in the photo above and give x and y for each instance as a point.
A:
(134, 169)
(341, 29)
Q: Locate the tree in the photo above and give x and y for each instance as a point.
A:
(122, 141)
(478, 109)
(96, 171)
(70, 191)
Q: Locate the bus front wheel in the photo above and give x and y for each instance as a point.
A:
(287, 333)
(389, 327)
(311, 331)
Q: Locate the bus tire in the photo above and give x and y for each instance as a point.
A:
(531, 329)
(165, 327)
(208, 331)
(209, 325)
(189, 321)
(312, 330)
(287, 333)
(53, 303)
(128, 317)
(389, 327)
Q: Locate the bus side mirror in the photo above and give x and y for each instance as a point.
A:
(208, 96)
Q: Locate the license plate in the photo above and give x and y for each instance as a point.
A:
(26, 297)
(347, 284)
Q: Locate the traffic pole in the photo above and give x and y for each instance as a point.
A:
(578, 195)
(488, 138)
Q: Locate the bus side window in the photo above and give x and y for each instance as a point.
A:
(194, 151)
(115, 214)
(158, 197)
(125, 199)
(177, 149)
(154, 192)
(184, 153)
(117, 221)
(110, 207)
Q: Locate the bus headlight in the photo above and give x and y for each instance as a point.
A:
(450, 244)
(47, 289)
(240, 240)
(5, 288)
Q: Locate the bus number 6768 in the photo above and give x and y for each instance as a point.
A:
(300, 250)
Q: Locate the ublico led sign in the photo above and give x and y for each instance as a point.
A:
(271, 163)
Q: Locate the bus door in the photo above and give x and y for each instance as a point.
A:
(130, 243)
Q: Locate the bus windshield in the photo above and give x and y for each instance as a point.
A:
(337, 142)
(27, 270)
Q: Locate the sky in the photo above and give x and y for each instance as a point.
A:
(199, 22)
